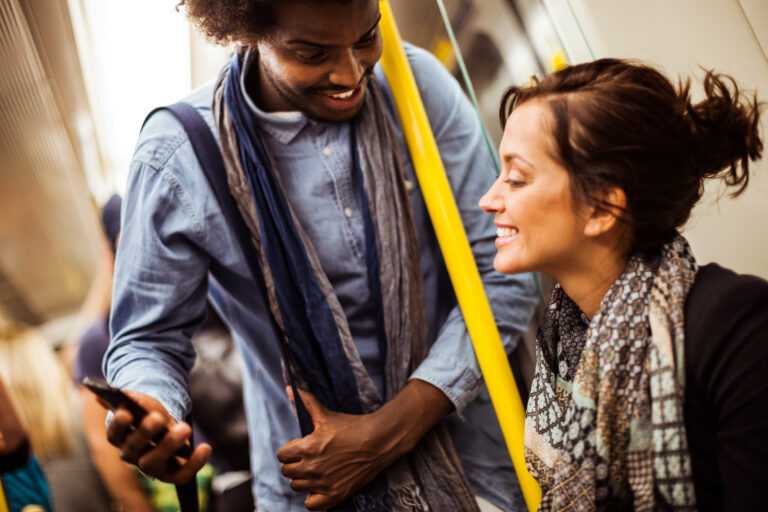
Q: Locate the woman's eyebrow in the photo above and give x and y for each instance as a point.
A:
(510, 157)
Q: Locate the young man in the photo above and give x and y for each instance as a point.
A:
(353, 281)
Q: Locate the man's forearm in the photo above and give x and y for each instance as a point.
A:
(412, 413)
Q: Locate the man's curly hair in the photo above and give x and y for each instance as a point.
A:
(230, 21)
(234, 21)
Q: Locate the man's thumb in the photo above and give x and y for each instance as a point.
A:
(317, 411)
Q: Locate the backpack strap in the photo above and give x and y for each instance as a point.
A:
(209, 156)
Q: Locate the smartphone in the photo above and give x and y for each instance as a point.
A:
(113, 398)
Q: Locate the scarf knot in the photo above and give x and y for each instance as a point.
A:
(604, 427)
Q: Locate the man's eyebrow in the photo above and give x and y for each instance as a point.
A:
(319, 45)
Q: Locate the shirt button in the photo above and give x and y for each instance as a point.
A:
(327, 151)
(408, 185)
(348, 212)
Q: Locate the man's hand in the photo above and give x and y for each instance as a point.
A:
(155, 459)
(346, 451)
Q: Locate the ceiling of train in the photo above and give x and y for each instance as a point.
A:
(48, 224)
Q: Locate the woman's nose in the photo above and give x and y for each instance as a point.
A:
(490, 202)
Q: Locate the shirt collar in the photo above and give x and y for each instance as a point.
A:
(283, 126)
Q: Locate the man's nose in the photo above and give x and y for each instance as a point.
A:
(347, 70)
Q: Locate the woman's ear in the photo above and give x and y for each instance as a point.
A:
(608, 207)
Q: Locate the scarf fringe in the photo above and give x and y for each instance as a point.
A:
(405, 498)
(409, 499)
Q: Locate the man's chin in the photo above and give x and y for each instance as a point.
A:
(333, 116)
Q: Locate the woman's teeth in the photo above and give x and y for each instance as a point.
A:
(504, 232)
(343, 95)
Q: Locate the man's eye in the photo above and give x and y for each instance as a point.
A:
(310, 56)
(367, 40)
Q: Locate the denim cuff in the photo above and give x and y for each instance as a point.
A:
(455, 378)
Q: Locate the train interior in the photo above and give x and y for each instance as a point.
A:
(77, 78)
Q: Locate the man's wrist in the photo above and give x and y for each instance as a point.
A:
(411, 414)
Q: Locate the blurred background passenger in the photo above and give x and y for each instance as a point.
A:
(22, 482)
(650, 389)
(122, 481)
(44, 395)
(216, 390)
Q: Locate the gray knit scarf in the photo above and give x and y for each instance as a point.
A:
(430, 477)
(604, 427)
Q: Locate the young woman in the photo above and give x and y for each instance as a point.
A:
(649, 389)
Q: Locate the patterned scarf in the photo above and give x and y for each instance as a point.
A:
(604, 427)
(314, 328)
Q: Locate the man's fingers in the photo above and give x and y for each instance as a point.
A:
(161, 459)
(303, 485)
(119, 427)
(318, 501)
(137, 442)
(194, 464)
(316, 410)
(163, 463)
(301, 471)
(290, 452)
(172, 469)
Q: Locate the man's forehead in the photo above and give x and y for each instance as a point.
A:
(323, 22)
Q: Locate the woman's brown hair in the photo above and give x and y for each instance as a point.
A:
(620, 123)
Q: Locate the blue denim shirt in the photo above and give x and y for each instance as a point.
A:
(176, 247)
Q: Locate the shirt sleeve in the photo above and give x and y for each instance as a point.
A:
(451, 364)
(160, 282)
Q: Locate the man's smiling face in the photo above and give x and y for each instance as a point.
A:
(318, 57)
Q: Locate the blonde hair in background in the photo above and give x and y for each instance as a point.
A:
(41, 388)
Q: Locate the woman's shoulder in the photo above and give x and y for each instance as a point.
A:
(726, 330)
(720, 297)
(726, 393)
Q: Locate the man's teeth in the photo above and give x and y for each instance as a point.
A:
(343, 95)
(503, 232)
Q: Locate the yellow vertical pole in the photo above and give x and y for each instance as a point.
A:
(3, 503)
(456, 252)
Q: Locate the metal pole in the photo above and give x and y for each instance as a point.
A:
(456, 252)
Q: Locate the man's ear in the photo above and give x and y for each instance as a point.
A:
(608, 207)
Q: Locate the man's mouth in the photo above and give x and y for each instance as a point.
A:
(343, 100)
(342, 95)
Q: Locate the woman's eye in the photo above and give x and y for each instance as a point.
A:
(514, 182)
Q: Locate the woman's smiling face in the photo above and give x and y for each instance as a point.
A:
(539, 226)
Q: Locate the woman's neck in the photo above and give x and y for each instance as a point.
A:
(589, 279)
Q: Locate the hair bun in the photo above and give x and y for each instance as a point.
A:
(723, 130)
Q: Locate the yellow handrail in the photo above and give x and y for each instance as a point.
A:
(456, 252)
(3, 502)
